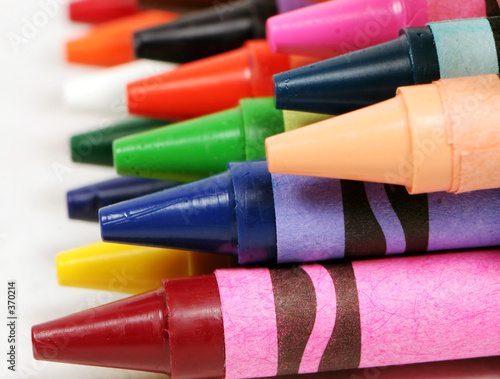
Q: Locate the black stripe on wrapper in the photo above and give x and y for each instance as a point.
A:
(413, 213)
(344, 348)
(495, 29)
(363, 234)
(295, 315)
(492, 8)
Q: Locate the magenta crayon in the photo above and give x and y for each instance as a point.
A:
(341, 26)
(246, 323)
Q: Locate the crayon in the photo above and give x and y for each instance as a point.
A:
(95, 11)
(296, 119)
(105, 91)
(258, 217)
(337, 27)
(211, 84)
(205, 33)
(131, 269)
(167, 4)
(84, 203)
(110, 43)
(176, 5)
(441, 50)
(246, 323)
(201, 147)
(96, 146)
(291, 5)
(431, 137)
(211, 31)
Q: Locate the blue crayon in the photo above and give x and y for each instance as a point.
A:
(84, 203)
(258, 217)
(448, 49)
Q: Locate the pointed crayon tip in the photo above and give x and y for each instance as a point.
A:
(205, 33)
(110, 44)
(137, 340)
(131, 269)
(353, 146)
(332, 28)
(196, 216)
(361, 78)
(208, 85)
(84, 202)
(181, 94)
(104, 91)
(96, 146)
(185, 151)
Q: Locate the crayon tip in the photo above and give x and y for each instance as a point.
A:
(183, 93)
(84, 202)
(333, 28)
(104, 91)
(137, 340)
(197, 216)
(96, 146)
(353, 146)
(186, 151)
(110, 44)
(205, 33)
(131, 269)
(346, 83)
(208, 85)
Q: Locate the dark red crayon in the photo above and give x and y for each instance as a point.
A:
(261, 322)
(146, 334)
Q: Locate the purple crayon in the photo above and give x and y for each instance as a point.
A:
(259, 217)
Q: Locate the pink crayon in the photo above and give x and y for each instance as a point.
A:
(245, 323)
(340, 26)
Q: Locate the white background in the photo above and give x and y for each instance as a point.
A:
(36, 172)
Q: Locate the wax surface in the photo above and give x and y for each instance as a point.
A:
(341, 26)
(448, 49)
(110, 44)
(105, 90)
(208, 85)
(100, 11)
(197, 35)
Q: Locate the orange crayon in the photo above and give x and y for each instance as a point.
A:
(443, 136)
(111, 43)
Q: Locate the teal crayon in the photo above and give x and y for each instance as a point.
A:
(440, 50)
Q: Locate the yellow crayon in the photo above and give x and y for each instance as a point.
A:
(131, 269)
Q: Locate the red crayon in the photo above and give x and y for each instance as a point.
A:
(95, 11)
(244, 323)
(210, 85)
